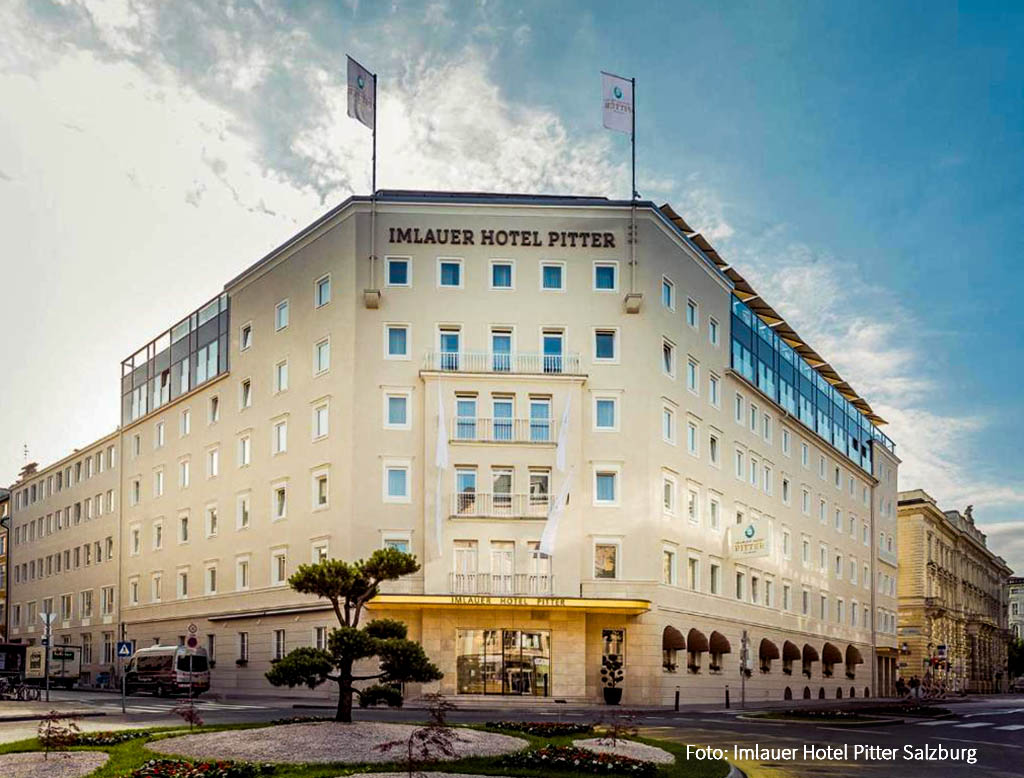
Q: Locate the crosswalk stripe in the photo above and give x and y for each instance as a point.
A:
(974, 725)
(1011, 727)
(934, 723)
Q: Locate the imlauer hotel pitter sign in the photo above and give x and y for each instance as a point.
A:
(456, 236)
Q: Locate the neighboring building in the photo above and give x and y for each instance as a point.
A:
(5, 515)
(726, 480)
(953, 610)
(63, 554)
(1015, 597)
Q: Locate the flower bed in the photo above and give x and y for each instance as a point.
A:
(579, 760)
(180, 768)
(543, 728)
(302, 719)
(107, 738)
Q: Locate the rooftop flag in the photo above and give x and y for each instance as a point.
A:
(362, 94)
(617, 102)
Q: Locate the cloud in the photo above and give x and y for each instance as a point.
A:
(1007, 540)
(5, 177)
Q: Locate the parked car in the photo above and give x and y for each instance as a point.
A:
(167, 670)
(1017, 685)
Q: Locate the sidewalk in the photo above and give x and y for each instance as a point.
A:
(33, 711)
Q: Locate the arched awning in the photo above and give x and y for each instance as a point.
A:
(768, 650)
(831, 655)
(672, 640)
(696, 640)
(853, 656)
(810, 653)
(790, 652)
(719, 644)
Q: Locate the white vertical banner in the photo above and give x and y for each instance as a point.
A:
(441, 463)
(617, 103)
(563, 437)
(362, 96)
(555, 512)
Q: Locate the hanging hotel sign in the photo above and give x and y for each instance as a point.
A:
(751, 539)
(458, 236)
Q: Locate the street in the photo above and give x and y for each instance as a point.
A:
(994, 726)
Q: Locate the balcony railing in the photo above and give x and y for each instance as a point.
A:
(488, 362)
(501, 505)
(484, 430)
(494, 583)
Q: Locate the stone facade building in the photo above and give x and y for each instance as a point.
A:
(953, 626)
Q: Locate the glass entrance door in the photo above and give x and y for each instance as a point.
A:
(509, 661)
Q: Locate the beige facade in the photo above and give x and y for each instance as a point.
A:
(953, 599)
(319, 437)
(5, 515)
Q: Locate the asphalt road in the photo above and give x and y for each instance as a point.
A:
(994, 727)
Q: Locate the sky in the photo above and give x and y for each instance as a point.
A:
(861, 163)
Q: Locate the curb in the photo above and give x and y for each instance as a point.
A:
(735, 772)
(87, 714)
(812, 722)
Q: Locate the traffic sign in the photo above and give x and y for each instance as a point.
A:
(47, 618)
(192, 641)
(192, 629)
(124, 649)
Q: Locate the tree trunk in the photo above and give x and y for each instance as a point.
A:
(344, 712)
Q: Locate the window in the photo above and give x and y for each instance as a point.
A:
(242, 573)
(182, 584)
(449, 273)
(691, 313)
(668, 425)
(714, 390)
(214, 409)
(243, 646)
(740, 465)
(211, 579)
(211, 521)
(787, 544)
(158, 436)
(692, 436)
(245, 394)
(668, 358)
(158, 537)
(281, 376)
(320, 491)
(785, 442)
(158, 490)
(320, 551)
(322, 356)
(279, 436)
(715, 579)
(397, 271)
(766, 427)
(212, 463)
(155, 588)
(244, 451)
(320, 421)
(668, 293)
(396, 341)
(713, 449)
(693, 376)
(279, 567)
(552, 276)
(693, 506)
(606, 276)
(714, 513)
(183, 529)
(606, 559)
(804, 455)
(502, 274)
(787, 597)
(281, 315)
(396, 482)
(245, 337)
(668, 566)
(606, 416)
(397, 542)
(693, 573)
(604, 345)
(713, 331)
(186, 422)
(738, 408)
(668, 490)
(280, 502)
(322, 291)
(741, 584)
(242, 512)
(605, 487)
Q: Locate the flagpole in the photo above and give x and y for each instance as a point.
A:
(632, 215)
(632, 135)
(373, 194)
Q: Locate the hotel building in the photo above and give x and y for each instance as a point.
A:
(952, 598)
(729, 490)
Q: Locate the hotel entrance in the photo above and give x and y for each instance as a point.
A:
(503, 661)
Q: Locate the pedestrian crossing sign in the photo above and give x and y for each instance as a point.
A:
(124, 649)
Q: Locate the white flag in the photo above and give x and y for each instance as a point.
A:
(617, 102)
(441, 462)
(362, 97)
(555, 511)
(563, 437)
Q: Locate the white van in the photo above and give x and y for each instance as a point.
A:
(167, 670)
(65, 665)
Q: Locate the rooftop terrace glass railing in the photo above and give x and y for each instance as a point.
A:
(177, 361)
(768, 362)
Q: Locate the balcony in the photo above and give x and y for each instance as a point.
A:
(483, 430)
(496, 584)
(503, 505)
(513, 363)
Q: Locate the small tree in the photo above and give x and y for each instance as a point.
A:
(349, 586)
(436, 740)
(56, 732)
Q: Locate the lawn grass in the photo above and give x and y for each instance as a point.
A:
(127, 756)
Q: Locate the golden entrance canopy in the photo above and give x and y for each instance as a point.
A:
(625, 607)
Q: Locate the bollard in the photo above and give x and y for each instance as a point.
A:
(677, 699)
(727, 695)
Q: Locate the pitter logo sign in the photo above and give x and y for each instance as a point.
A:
(752, 540)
